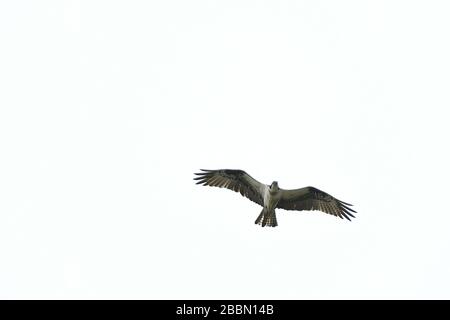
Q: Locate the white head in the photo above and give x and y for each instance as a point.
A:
(274, 186)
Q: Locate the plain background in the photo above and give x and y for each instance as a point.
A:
(107, 108)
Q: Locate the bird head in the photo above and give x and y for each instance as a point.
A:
(274, 186)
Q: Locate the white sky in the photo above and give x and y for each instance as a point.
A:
(107, 108)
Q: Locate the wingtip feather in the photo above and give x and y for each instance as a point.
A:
(348, 204)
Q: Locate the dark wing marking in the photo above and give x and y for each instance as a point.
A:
(310, 198)
(236, 180)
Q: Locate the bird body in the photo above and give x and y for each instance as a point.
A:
(272, 197)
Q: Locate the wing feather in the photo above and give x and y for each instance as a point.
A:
(236, 180)
(310, 198)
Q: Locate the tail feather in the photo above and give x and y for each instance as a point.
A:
(266, 218)
(258, 220)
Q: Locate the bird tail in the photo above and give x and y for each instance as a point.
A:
(267, 218)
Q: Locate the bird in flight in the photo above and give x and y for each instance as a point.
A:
(272, 197)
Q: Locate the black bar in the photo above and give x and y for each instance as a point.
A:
(224, 309)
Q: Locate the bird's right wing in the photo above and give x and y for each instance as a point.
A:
(236, 180)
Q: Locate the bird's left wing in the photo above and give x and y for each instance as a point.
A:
(310, 198)
(236, 180)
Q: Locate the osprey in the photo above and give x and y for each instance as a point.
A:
(272, 197)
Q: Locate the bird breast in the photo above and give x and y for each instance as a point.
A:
(271, 198)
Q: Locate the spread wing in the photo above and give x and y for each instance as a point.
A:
(236, 180)
(310, 198)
